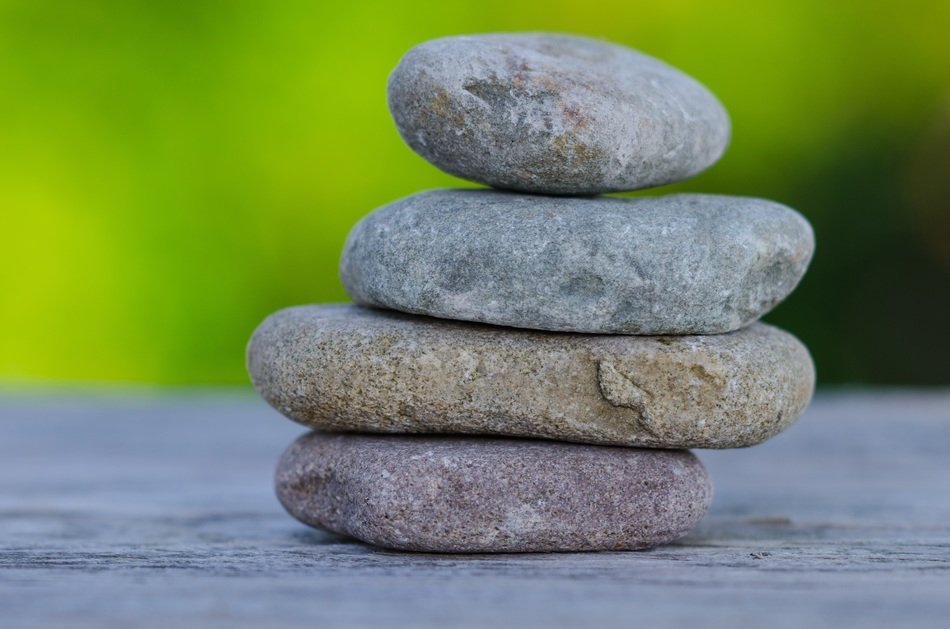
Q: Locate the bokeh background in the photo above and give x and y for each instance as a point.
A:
(171, 172)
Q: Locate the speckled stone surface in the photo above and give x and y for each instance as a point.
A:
(676, 264)
(458, 494)
(554, 114)
(347, 368)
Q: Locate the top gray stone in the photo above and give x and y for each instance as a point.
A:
(554, 114)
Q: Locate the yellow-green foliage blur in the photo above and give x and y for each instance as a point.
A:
(171, 172)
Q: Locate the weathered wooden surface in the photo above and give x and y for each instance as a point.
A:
(157, 511)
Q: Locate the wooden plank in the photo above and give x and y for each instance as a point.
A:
(152, 510)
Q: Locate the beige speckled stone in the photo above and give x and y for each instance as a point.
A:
(348, 368)
(477, 494)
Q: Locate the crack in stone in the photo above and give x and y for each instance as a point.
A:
(619, 390)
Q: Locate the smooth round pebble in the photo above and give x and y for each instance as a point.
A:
(456, 494)
(676, 264)
(347, 368)
(554, 114)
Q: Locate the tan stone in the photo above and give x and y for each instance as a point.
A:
(348, 368)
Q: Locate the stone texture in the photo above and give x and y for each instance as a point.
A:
(677, 264)
(347, 368)
(554, 114)
(457, 494)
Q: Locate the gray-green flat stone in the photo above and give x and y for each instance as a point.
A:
(554, 114)
(677, 264)
(452, 494)
(347, 368)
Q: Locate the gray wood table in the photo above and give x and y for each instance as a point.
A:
(158, 510)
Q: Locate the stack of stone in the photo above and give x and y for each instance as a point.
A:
(620, 331)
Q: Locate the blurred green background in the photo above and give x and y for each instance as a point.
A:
(171, 172)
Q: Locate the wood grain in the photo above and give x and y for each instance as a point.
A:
(148, 510)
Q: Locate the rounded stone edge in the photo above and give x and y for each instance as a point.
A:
(263, 355)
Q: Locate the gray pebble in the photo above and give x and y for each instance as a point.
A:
(677, 264)
(453, 494)
(554, 114)
(347, 368)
